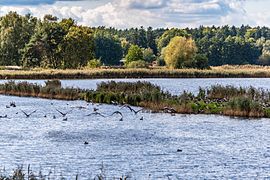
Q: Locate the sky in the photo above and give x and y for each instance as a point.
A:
(155, 13)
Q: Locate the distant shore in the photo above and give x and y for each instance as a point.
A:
(244, 71)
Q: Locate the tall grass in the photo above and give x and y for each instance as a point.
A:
(246, 71)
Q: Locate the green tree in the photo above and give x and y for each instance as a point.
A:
(180, 52)
(77, 47)
(108, 48)
(165, 39)
(148, 55)
(134, 54)
(200, 61)
(15, 33)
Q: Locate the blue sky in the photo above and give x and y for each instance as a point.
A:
(156, 13)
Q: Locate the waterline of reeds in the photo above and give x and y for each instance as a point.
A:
(222, 100)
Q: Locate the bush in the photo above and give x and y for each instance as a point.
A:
(201, 61)
(53, 84)
(137, 64)
(94, 63)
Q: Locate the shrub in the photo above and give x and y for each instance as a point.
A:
(137, 64)
(94, 63)
(53, 84)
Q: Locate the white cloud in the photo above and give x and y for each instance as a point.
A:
(156, 13)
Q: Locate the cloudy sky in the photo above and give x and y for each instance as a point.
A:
(156, 13)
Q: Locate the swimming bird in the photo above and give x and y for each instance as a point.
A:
(5, 116)
(12, 104)
(85, 142)
(95, 109)
(96, 113)
(79, 107)
(28, 115)
(65, 119)
(64, 114)
(131, 109)
(54, 117)
(118, 112)
(141, 118)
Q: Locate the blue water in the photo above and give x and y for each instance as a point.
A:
(213, 147)
(174, 86)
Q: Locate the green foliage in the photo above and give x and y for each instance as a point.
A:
(77, 47)
(108, 48)
(148, 55)
(166, 37)
(94, 63)
(53, 43)
(134, 54)
(200, 61)
(15, 32)
(137, 64)
(244, 104)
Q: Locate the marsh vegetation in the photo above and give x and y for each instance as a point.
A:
(225, 100)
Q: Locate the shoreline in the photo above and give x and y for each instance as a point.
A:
(215, 72)
(219, 100)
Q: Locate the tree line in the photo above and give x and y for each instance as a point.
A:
(53, 43)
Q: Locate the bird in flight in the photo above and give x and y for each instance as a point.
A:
(62, 113)
(96, 113)
(118, 112)
(131, 109)
(28, 115)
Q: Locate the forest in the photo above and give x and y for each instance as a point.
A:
(50, 42)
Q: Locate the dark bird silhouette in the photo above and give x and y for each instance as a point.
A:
(85, 143)
(118, 112)
(65, 119)
(95, 109)
(79, 107)
(12, 104)
(28, 115)
(62, 113)
(96, 113)
(5, 116)
(131, 109)
(54, 117)
(141, 118)
(169, 110)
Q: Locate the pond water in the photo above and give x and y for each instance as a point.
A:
(160, 146)
(174, 86)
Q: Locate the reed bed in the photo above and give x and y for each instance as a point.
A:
(225, 100)
(245, 71)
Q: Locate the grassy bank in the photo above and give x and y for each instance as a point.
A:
(229, 100)
(21, 173)
(247, 71)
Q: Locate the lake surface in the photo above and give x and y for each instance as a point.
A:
(212, 147)
(174, 86)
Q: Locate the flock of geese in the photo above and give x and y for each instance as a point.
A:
(64, 114)
(95, 112)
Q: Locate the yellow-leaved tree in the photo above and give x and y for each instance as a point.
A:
(180, 52)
